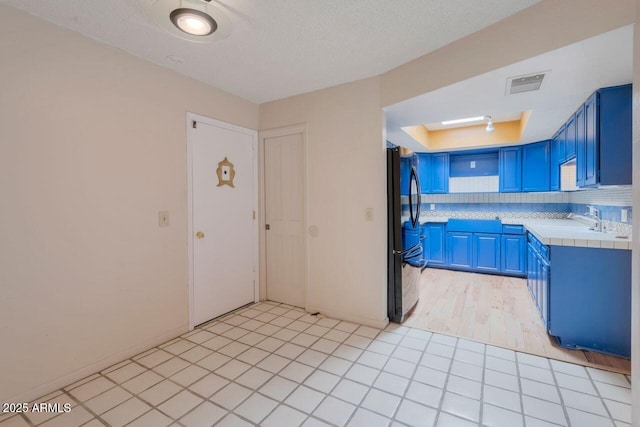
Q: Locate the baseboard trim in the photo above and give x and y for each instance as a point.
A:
(78, 374)
(380, 324)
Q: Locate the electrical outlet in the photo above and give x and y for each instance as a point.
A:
(473, 164)
(368, 214)
(163, 218)
(432, 207)
(624, 215)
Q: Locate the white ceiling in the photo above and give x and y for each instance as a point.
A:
(280, 48)
(575, 72)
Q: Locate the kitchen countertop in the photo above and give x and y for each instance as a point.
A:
(559, 232)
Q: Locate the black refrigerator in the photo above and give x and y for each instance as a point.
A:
(405, 252)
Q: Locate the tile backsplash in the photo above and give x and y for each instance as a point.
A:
(474, 184)
(610, 202)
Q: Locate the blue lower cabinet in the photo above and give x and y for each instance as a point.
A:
(543, 292)
(514, 254)
(460, 249)
(424, 241)
(590, 299)
(435, 243)
(486, 252)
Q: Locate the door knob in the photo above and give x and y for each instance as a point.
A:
(199, 235)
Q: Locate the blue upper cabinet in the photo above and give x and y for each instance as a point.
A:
(536, 165)
(439, 173)
(510, 170)
(557, 158)
(581, 139)
(433, 172)
(603, 141)
(590, 155)
(570, 137)
(424, 172)
(614, 146)
(405, 171)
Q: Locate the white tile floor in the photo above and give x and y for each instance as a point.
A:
(273, 365)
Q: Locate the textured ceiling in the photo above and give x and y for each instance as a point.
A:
(280, 48)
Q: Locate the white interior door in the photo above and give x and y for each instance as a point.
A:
(284, 205)
(224, 234)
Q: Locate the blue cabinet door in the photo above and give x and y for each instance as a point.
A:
(539, 279)
(486, 252)
(459, 249)
(591, 141)
(510, 170)
(435, 248)
(440, 173)
(570, 136)
(581, 144)
(557, 158)
(531, 269)
(543, 296)
(424, 172)
(405, 173)
(589, 298)
(615, 139)
(536, 166)
(514, 254)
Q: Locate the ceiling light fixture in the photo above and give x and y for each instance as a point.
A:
(489, 127)
(458, 121)
(193, 22)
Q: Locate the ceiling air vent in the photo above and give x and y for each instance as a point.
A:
(526, 83)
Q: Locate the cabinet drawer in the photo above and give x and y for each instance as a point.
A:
(538, 246)
(512, 229)
(544, 251)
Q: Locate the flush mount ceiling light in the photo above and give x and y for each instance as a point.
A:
(458, 121)
(194, 20)
(489, 127)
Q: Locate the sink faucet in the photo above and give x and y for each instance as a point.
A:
(595, 214)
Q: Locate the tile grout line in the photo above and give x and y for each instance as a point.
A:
(595, 386)
(394, 347)
(520, 390)
(557, 385)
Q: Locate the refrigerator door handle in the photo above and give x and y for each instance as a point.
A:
(419, 199)
(412, 248)
(414, 211)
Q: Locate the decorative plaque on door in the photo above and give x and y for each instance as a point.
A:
(225, 173)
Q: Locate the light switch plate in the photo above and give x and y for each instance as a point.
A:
(624, 215)
(432, 207)
(163, 218)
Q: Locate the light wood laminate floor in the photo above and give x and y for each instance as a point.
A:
(494, 310)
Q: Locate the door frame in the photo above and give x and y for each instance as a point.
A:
(191, 117)
(274, 133)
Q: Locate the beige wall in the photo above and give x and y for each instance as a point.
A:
(92, 146)
(346, 170)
